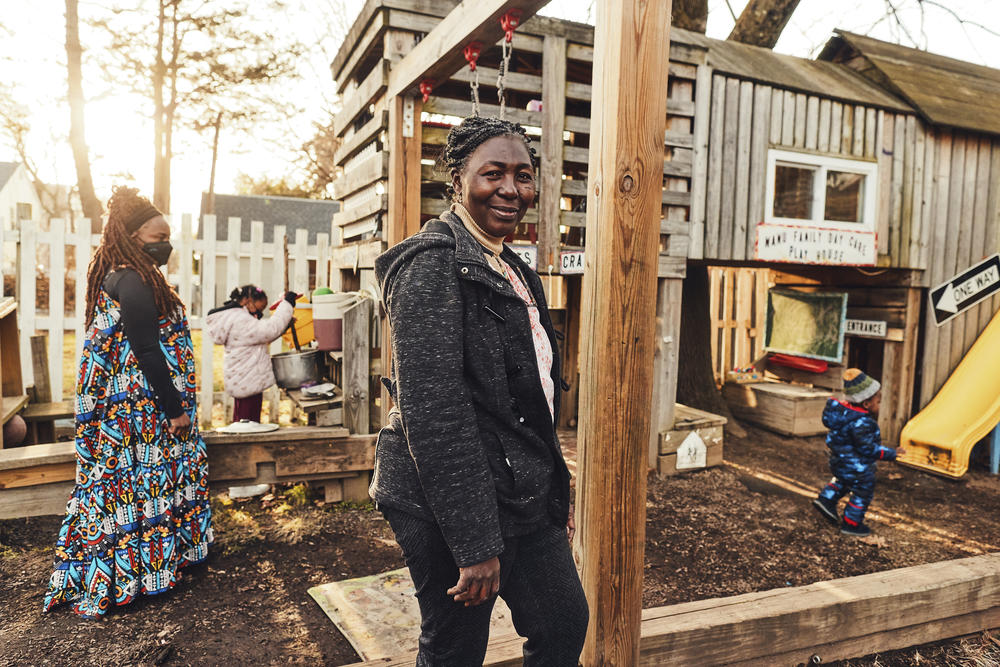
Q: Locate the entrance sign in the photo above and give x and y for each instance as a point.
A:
(867, 328)
(528, 254)
(571, 262)
(966, 289)
(810, 245)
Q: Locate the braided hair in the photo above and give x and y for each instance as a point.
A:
(118, 249)
(470, 134)
(251, 292)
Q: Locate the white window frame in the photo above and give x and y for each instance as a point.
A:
(820, 164)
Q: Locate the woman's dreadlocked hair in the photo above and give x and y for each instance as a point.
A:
(119, 249)
(470, 134)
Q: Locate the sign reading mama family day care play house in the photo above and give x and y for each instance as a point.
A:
(811, 245)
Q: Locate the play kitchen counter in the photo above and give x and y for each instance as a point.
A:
(36, 480)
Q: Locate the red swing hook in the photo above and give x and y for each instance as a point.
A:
(509, 23)
(471, 53)
(426, 86)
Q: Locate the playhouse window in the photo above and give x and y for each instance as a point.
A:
(819, 190)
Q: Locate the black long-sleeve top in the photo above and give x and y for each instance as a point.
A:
(140, 323)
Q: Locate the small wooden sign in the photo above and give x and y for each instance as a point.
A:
(812, 245)
(571, 262)
(528, 254)
(867, 328)
(692, 453)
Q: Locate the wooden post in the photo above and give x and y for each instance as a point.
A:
(553, 125)
(357, 362)
(624, 196)
(405, 147)
(43, 431)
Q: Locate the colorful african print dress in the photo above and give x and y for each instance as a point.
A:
(140, 509)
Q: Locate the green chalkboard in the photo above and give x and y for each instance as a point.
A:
(806, 324)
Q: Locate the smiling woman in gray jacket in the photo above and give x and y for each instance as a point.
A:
(469, 472)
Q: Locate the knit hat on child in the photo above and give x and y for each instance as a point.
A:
(859, 387)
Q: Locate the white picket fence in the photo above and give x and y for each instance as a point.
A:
(205, 268)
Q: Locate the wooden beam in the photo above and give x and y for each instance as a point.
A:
(553, 125)
(439, 54)
(357, 362)
(831, 620)
(619, 323)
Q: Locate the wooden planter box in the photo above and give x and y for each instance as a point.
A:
(680, 447)
(785, 408)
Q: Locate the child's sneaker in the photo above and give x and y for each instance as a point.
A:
(860, 530)
(828, 508)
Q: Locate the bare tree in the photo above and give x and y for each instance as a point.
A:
(762, 22)
(77, 136)
(15, 127)
(200, 56)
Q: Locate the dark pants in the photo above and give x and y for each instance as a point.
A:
(538, 581)
(862, 490)
(248, 407)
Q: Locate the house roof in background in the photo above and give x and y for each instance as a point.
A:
(945, 91)
(790, 72)
(313, 215)
(7, 170)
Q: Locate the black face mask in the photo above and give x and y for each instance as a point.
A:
(160, 252)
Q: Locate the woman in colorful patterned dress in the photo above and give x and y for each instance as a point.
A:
(140, 509)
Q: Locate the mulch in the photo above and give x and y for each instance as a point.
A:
(741, 527)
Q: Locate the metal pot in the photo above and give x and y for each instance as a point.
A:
(294, 369)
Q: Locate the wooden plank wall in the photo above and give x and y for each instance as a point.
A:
(540, 45)
(960, 177)
(745, 119)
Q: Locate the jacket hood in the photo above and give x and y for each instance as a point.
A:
(467, 250)
(837, 415)
(220, 323)
(391, 262)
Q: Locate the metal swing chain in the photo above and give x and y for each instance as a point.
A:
(507, 48)
(475, 91)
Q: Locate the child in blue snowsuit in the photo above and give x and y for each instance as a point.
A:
(855, 445)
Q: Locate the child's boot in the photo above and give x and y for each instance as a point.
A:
(828, 508)
(858, 530)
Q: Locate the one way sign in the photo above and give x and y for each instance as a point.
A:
(966, 289)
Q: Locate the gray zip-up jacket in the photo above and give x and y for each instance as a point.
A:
(472, 445)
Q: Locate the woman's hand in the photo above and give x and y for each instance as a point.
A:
(571, 523)
(477, 583)
(179, 425)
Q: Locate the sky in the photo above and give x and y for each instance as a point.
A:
(119, 130)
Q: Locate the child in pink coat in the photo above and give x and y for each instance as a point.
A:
(237, 325)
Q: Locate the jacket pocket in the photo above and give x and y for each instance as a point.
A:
(504, 474)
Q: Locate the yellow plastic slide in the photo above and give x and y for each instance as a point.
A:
(941, 437)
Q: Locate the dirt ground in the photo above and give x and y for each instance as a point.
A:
(745, 526)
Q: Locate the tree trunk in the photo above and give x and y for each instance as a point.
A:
(77, 136)
(690, 15)
(762, 21)
(210, 206)
(159, 117)
(695, 379)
